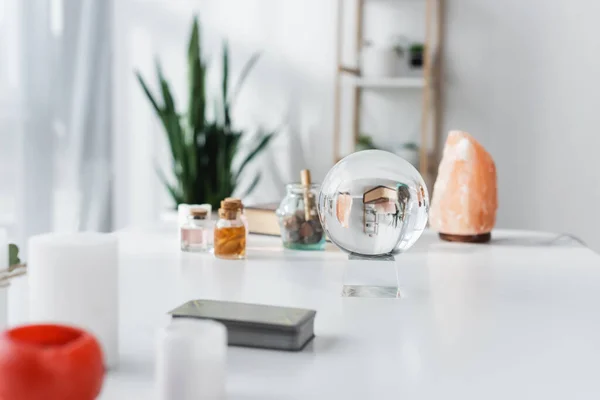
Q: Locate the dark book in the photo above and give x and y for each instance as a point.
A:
(255, 325)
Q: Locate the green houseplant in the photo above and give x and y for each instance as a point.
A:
(203, 149)
(15, 266)
(364, 142)
(416, 52)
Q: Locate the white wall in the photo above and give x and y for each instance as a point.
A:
(292, 86)
(523, 78)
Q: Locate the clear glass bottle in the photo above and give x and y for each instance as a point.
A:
(197, 233)
(230, 232)
(299, 220)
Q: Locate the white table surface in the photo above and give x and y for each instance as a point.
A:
(515, 319)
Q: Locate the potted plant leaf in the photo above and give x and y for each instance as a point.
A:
(203, 149)
(410, 152)
(364, 142)
(15, 267)
(416, 52)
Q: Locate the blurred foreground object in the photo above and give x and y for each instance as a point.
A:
(10, 267)
(191, 360)
(465, 199)
(50, 362)
(73, 279)
(203, 150)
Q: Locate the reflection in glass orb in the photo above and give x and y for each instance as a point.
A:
(373, 203)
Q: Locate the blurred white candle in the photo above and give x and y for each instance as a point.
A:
(3, 285)
(18, 300)
(73, 279)
(190, 360)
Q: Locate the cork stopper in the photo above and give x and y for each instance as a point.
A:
(199, 213)
(308, 197)
(236, 201)
(305, 177)
(230, 204)
(229, 208)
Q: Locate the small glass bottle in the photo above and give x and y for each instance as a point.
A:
(197, 232)
(230, 232)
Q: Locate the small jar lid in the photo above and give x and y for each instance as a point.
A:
(236, 201)
(229, 208)
(198, 212)
(231, 204)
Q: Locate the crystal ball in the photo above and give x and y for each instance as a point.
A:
(373, 203)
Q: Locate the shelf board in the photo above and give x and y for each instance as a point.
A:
(388, 83)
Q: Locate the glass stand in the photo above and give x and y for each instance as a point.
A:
(371, 276)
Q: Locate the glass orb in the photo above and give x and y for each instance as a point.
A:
(373, 203)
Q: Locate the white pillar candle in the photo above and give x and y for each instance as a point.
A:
(3, 284)
(73, 279)
(18, 301)
(190, 360)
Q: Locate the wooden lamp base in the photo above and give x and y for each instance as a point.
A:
(481, 238)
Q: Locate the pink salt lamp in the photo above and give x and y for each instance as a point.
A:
(464, 202)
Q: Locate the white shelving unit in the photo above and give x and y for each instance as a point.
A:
(387, 83)
(428, 82)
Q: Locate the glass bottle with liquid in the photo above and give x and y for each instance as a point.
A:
(197, 233)
(230, 232)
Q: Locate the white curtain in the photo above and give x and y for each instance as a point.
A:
(11, 121)
(84, 168)
(55, 90)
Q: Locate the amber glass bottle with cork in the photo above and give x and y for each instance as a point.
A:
(230, 231)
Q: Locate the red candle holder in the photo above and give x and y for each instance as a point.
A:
(50, 362)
